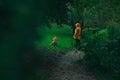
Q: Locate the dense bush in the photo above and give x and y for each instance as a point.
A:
(102, 50)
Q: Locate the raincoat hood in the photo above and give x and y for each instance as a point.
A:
(77, 25)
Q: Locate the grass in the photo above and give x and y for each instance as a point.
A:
(64, 36)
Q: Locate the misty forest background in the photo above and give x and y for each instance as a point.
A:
(27, 28)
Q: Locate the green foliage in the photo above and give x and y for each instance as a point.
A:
(102, 50)
(88, 32)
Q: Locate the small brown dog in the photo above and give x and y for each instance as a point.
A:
(54, 41)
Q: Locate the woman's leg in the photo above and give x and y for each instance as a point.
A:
(77, 44)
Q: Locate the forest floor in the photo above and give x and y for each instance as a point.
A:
(67, 68)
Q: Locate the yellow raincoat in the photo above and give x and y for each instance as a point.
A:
(77, 31)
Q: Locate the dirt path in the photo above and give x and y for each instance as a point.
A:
(67, 69)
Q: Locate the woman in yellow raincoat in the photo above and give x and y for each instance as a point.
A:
(77, 34)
